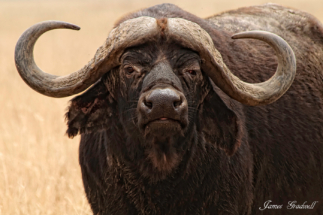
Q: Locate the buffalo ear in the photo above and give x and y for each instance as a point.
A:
(90, 111)
(218, 123)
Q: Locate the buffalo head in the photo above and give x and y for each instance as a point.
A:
(153, 81)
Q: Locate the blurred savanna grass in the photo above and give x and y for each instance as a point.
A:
(39, 171)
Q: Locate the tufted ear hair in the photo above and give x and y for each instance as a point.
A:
(219, 123)
(91, 110)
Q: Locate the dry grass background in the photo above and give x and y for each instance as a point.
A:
(39, 171)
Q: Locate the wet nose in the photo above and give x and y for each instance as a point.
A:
(166, 101)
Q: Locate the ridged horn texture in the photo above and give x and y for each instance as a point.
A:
(140, 30)
(194, 37)
(129, 33)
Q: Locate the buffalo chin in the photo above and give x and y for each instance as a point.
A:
(162, 145)
(163, 155)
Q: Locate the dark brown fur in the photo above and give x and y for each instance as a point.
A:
(236, 157)
(162, 24)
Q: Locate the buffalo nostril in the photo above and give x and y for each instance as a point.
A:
(148, 104)
(176, 104)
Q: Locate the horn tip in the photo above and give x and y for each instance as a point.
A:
(65, 25)
(74, 27)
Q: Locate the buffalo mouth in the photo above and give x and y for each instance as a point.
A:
(163, 127)
(164, 121)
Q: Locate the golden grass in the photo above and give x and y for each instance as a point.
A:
(39, 171)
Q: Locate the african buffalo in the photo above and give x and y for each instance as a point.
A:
(182, 119)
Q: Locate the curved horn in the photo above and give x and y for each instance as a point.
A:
(250, 94)
(128, 33)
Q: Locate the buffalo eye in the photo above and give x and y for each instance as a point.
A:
(191, 72)
(129, 69)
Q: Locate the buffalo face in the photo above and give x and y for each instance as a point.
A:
(161, 88)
